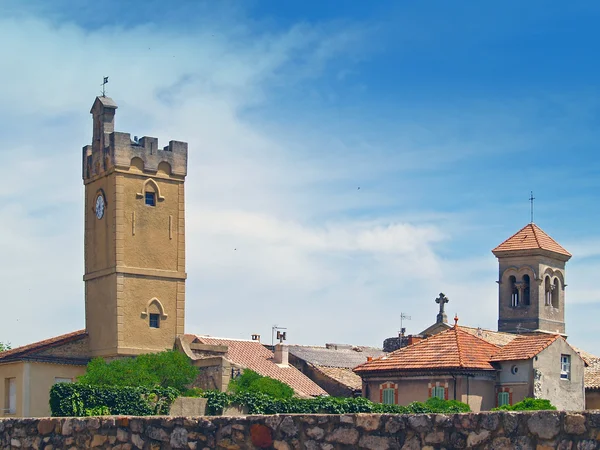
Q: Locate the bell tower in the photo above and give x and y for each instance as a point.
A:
(134, 239)
(531, 282)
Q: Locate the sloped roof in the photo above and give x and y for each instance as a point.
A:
(525, 347)
(531, 237)
(498, 338)
(592, 375)
(31, 350)
(346, 358)
(587, 357)
(342, 375)
(253, 355)
(450, 349)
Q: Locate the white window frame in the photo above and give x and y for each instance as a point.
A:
(63, 380)
(565, 367)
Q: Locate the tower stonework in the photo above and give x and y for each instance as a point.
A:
(531, 294)
(134, 239)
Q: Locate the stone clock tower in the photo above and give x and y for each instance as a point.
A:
(134, 239)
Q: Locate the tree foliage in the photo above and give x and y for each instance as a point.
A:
(169, 369)
(4, 346)
(250, 381)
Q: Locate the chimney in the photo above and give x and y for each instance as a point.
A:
(103, 112)
(412, 339)
(369, 358)
(281, 354)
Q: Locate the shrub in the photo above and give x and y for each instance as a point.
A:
(260, 403)
(169, 369)
(4, 346)
(250, 381)
(528, 404)
(77, 400)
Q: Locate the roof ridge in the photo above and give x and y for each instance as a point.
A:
(535, 228)
(458, 346)
(40, 345)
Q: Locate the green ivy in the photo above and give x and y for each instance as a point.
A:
(77, 400)
(258, 403)
(528, 404)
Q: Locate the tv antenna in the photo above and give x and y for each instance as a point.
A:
(403, 317)
(274, 329)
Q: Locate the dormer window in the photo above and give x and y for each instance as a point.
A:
(150, 198)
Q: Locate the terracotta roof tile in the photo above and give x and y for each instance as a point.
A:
(253, 355)
(29, 349)
(531, 237)
(451, 349)
(525, 347)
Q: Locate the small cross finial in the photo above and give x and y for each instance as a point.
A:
(104, 82)
(455, 320)
(531, 199)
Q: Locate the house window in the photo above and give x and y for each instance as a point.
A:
(439, 392)
(565, 367)
(151, 198)
(154, 321)
(547, 292)
(388, 393)
(526, 290)
(388, 396)
(514, 292)
(503, 398)
(63, 380)
(10, 399)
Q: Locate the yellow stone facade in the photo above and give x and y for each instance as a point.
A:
(134, 247)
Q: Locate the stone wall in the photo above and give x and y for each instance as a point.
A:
(502, 430)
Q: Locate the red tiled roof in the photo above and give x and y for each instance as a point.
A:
(25, 350)
(253, 355)
(525, 347)
(531, 237)
(451, 349)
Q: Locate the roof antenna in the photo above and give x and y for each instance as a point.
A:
(531, 199)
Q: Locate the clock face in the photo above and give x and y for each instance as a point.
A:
(100, 206)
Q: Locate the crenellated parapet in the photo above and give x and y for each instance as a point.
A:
(115, 150)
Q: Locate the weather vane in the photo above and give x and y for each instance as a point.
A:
(531, 199)
(104, 83)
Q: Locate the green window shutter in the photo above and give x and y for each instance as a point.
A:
(502, 398)
(388, 396)
(438, 392)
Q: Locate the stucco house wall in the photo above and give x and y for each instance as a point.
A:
(567, 394)
(592, 399)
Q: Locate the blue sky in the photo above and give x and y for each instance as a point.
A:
(445, 115)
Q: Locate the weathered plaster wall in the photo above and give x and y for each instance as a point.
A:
(502, 430)
(12, 370)
(565, 394)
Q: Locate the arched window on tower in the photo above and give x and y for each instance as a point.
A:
(555, 293)
(547, 292)
(526, 290)
(514, 292)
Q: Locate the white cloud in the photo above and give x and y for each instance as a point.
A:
(277, 229)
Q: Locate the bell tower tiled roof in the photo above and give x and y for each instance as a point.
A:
(530, 237)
